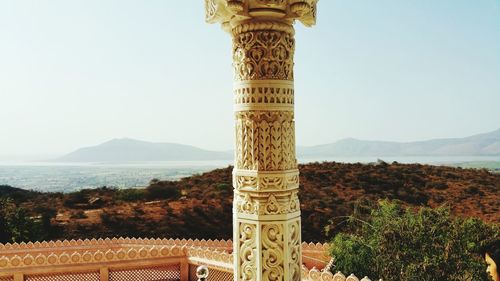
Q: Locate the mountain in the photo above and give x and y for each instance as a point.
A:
(130, 150)
(482, 144)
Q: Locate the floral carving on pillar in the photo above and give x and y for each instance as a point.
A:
(260, 55)
(266, 206)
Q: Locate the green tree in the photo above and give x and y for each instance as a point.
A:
(423, 244)
(15, 224)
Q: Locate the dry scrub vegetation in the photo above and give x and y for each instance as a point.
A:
(200, 206)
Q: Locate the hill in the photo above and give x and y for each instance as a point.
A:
(200, 206)
(130, 150)
(482, 144)
(19, 195)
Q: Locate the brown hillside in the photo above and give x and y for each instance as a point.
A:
(200, 206)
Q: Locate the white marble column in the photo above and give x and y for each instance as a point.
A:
(266, 209)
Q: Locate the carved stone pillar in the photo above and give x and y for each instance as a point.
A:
(266, 209)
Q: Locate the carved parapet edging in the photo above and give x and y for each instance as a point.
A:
(221, 260)
(89, 256)
(114, 242)
(315, 247)
(316, 275)
(307, 247)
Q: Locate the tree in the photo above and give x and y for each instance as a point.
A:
(15, 224)
(423, 244)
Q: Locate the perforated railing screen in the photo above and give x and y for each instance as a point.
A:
(214, 274)
(6, 278)
(70, 276)
(162, 273)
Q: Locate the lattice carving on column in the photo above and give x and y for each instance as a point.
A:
(263, 95)
(161, 273)
(69, 276)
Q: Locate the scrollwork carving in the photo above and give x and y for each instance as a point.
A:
(247, 251)
(294, 250)
(272, 252)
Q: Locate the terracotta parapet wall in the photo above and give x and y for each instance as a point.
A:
(60, 245)
(62, 257)
(87, 256)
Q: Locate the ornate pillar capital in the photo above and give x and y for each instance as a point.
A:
(230, 13)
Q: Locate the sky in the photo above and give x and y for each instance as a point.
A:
(76, 73)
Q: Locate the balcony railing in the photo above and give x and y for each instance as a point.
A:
(120, 259)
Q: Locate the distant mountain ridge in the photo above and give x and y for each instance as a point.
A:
(130, 150)
(487, 144)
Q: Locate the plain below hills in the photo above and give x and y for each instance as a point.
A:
(130, 150)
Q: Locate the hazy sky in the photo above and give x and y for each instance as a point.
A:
(77, 73)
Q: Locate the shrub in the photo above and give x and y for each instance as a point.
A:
(131, 194)
(76, 199)
(162, 190)
(223, 187)
(408, 244)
